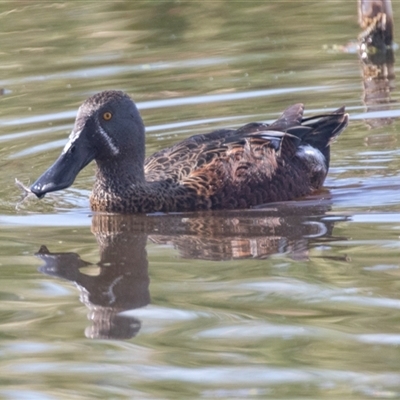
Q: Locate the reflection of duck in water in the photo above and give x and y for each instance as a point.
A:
(120, 280)
(226, 169)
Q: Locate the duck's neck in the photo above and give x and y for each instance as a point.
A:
(117, 175)
(124, 189)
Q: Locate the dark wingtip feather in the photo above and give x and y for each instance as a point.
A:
(291, 117)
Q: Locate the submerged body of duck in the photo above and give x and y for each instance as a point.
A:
(225, 169)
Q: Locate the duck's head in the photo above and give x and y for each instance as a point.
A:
(108, 129)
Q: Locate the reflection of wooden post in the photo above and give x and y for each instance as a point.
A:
(376, 54)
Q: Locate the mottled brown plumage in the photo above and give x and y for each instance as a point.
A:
(225, 169)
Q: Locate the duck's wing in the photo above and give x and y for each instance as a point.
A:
(237, 149)
(172, 162)
(180, 160)
(254, 151)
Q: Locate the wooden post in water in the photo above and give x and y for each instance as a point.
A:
(376, 19)
(375, 45)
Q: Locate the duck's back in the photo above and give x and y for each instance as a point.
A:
(257, 163)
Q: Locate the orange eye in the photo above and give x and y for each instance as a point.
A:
(107, 116)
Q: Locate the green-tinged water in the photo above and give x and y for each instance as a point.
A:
(289, 301)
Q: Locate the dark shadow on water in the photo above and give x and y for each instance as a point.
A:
(121, 279)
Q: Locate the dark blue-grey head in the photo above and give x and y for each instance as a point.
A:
(108, 129)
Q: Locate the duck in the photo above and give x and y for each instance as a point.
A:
(233, 168)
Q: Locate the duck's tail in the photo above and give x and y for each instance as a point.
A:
(323, 129)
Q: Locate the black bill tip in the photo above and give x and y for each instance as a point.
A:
(40, 190)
